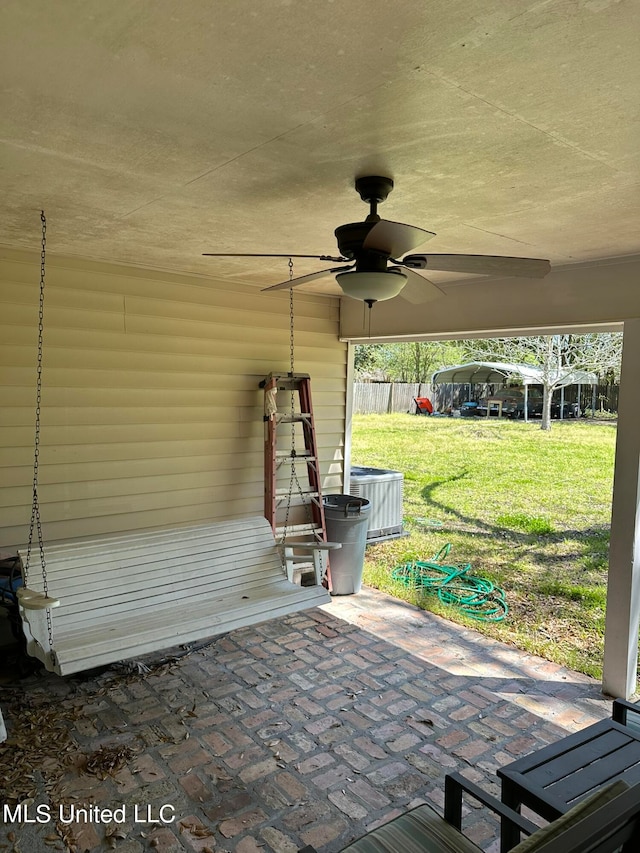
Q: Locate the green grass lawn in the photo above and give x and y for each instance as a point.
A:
(529, 510)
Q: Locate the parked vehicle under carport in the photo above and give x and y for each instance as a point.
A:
(534, 406)
(513, 401)
(505, 401)
(510, 400)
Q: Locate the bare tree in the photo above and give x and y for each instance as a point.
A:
(557, 355)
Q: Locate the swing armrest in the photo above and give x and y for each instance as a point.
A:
(296, 553)
(29, 599)
(309, 548)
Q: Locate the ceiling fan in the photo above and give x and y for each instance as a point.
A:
(372, 253)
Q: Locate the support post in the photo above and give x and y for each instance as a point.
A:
(623, 596)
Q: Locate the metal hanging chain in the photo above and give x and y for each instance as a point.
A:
(291, 405)
(36, 523)
(293, 480)
(291, 327)
(291, 373)
(35, 507)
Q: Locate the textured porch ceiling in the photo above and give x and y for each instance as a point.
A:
(152, 131)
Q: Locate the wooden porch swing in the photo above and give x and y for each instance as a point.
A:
(95, 601)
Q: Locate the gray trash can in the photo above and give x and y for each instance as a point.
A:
(347, 520)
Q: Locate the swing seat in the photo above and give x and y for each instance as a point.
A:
(122, 596)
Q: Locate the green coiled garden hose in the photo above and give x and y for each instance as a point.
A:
(477, 597)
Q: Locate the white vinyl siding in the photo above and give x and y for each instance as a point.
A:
(152, 414)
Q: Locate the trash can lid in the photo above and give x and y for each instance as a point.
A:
(348, 504)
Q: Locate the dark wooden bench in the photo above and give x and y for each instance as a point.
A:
(627, 713)
(552, 779)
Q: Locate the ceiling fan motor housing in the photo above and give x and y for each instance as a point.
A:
(350, 238)
(372, 189)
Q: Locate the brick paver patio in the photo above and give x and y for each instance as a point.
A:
(307, 730)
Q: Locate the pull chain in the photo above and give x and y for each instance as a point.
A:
(36, 522)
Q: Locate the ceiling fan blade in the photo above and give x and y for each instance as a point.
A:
(395, 238)
(235, 255)
(481, 264)
(418, 289)
(304, 279)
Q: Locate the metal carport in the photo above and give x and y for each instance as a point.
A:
(489, 372)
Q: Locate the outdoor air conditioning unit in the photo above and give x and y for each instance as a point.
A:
(383, 489)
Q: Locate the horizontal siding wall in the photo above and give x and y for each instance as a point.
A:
(151, 414)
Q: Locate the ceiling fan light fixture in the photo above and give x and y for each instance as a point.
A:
(372, 286)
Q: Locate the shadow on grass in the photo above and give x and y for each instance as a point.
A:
(591, 539)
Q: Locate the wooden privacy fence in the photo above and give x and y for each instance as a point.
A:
(371, 398)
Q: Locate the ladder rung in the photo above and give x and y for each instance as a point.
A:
(286, 382)
(294, 419)
(294, 530)
(284, 493)
(303, 457)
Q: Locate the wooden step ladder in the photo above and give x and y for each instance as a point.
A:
(288, 427)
